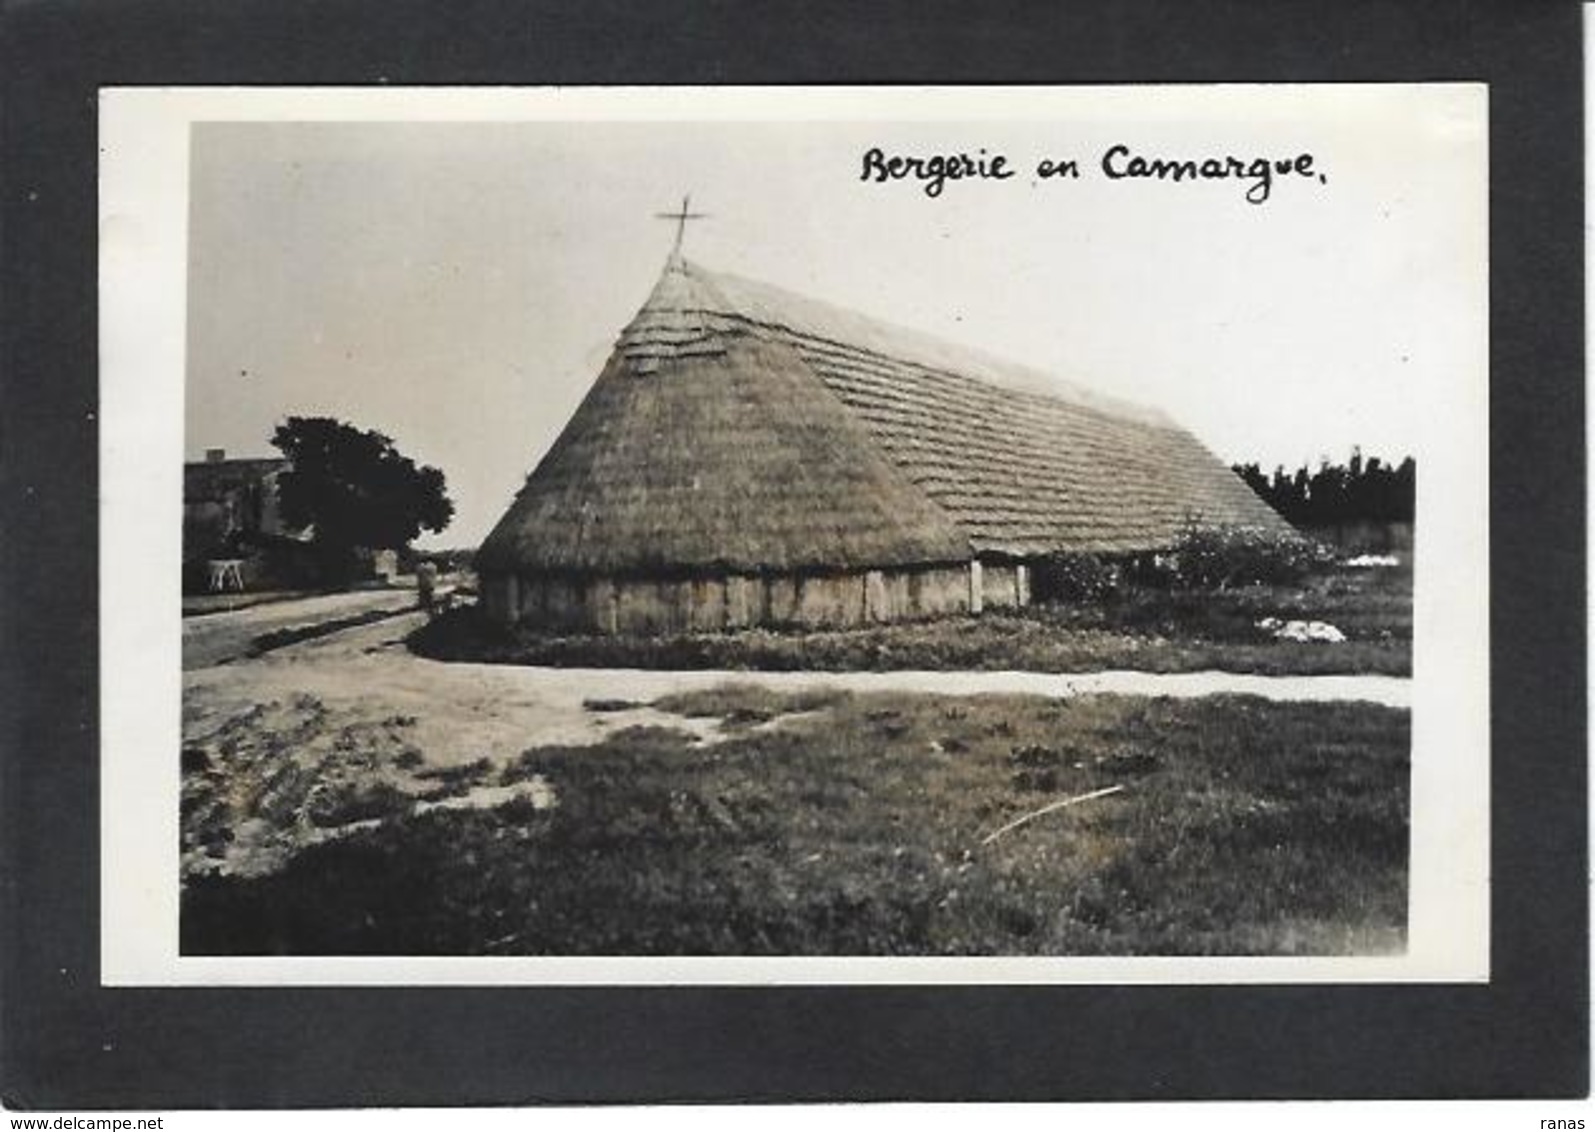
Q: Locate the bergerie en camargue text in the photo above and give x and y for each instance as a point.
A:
(1256, 175)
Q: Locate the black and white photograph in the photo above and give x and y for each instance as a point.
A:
(711, 562)
(1021, 534)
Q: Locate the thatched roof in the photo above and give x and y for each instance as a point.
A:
(739, 426)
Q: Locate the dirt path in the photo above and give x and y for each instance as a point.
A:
(215, 637)
(465, 711)
(643, 685)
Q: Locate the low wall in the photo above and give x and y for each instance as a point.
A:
(736, 601)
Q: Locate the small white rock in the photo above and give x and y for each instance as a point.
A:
(1301, 630)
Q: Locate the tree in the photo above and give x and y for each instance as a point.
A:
(354, 489)
(1365, 489)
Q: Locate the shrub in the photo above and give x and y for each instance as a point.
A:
(346, 803)
(1076, 578)
(1202, 558)
(1222, 557)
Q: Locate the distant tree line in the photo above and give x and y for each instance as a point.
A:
(1357, 491)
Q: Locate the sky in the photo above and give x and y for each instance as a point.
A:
(458, 285)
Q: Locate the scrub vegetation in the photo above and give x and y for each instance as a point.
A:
(874, 824)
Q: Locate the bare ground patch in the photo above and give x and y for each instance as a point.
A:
(284, 775)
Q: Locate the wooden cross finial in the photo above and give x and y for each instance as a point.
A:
(681, 219)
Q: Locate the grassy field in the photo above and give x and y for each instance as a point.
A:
(832, 823)
(1153, 630)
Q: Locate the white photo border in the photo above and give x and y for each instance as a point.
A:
(143, 303)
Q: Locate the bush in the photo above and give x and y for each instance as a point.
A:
(1202, 558)
(1222, 557)
(1076, 578)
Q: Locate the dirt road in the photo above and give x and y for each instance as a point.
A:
(328, 735)
(469, 710)
(214, 637)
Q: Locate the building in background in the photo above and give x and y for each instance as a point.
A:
(233, 533)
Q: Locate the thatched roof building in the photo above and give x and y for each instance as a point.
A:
(751, 456)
